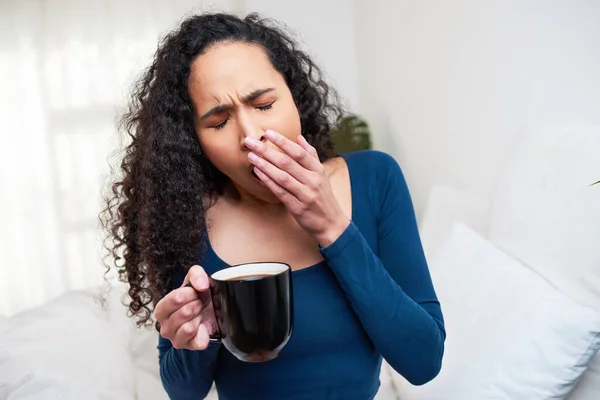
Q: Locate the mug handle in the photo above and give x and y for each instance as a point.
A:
(204, 298)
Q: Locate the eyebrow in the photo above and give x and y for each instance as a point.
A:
(224, 107)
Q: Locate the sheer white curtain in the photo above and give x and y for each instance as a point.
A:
(65, 69)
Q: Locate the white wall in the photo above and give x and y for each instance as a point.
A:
(325, 28)
(450, 86)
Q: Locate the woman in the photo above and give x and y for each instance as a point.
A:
(230, 162)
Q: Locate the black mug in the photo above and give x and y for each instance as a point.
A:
(254, 309)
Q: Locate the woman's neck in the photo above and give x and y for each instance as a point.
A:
(247, 201)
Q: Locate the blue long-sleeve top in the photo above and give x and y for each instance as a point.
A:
(371, 297)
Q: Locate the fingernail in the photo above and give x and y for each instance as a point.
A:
(271, 134)
(200, 284)
(253, 157)
(250, 141)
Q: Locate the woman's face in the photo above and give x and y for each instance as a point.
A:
(237, 93)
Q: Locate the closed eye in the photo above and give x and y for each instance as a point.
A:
(265, 108)
(261, 108)
(221, 125)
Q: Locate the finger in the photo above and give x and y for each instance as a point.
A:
(197, 277)
(306, 146)
(283, 161)
(180, 317)
(300, 191)
(287, 198)
(201, 339)
(283, 178)
(185, 334)
(294, 150)
(173, 301)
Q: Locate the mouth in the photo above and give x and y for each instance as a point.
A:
(256, 176)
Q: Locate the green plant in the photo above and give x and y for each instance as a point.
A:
(351, 134)
(595, 183)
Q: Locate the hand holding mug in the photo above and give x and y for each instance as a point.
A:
(186, 315)
(248, 308)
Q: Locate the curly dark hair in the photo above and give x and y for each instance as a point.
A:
(154, 214)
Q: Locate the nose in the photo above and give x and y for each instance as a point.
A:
(257, 134)
(249, 128)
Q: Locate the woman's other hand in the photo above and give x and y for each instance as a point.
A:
(297, 177)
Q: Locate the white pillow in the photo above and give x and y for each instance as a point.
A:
(510, 335)
(144, 355)
(546, 215)
(387, 389)
(588, 387)
(65, 348)
(44, 386)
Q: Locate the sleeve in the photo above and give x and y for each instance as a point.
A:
(393, 294)
(186, 374)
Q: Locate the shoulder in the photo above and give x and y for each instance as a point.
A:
(377, 158)
(379, 174)
(373, 164)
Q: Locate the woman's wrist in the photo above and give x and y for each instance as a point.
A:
(332, 232)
